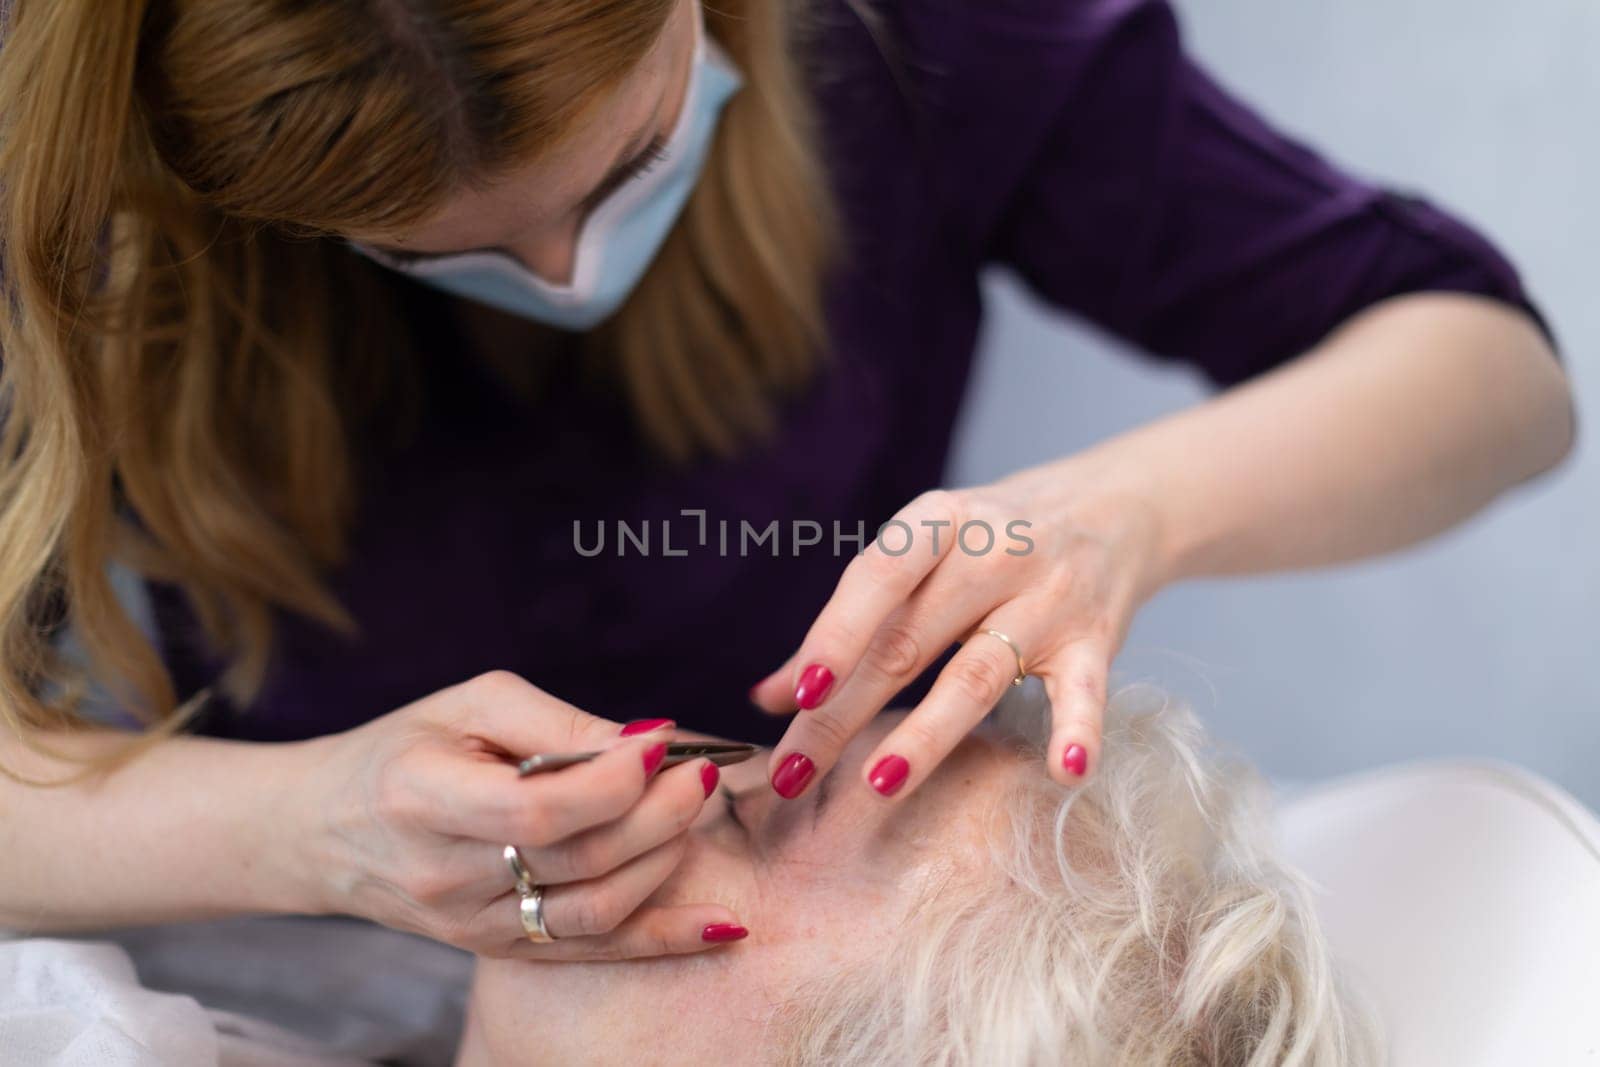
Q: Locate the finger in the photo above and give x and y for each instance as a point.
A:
(815, 739)
(470, 870)
(774, 694)
(936, 615)
(487, 801)
(1075, 682)
(599, 906)
(966, 690)
(873, 586)
(522, 719)
(650, 931)
(671, 803)
(583, 910)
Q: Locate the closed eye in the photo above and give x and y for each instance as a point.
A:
(637, 167)
(405, 258)
(732, 808)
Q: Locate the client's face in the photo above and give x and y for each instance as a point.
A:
(821, 881)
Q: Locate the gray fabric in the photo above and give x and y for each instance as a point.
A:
(98, 705)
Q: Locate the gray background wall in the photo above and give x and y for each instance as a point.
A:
(1481, 642)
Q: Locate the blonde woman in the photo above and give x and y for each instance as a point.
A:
(337, 323)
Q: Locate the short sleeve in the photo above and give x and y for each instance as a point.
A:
(1162, 209)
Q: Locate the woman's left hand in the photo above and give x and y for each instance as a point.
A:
(1056, 565)
(1321, 461)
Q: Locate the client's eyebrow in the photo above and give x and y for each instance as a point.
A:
(824, 794)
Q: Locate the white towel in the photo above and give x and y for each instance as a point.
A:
(258, 992)
(75, 1004)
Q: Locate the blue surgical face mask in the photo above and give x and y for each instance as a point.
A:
(619, 238)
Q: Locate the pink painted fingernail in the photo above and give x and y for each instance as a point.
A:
(724, 932)
(653, 757)
(889, 775)
(644, 726)
(813, 687)
(1076, 760)
(708, 778)
(790, 779)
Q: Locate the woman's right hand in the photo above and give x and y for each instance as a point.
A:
(406, 818)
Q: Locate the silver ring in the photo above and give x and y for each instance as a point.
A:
(519, 869)
(1022, 672)
(531, 910)
(530, 905)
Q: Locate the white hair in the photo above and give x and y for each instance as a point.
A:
(1139, 919)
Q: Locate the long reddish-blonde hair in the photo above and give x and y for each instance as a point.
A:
(188, 348)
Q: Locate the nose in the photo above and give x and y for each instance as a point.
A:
(551, 256)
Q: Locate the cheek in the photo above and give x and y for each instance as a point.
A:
(716, 868)
(844, 890)
(825, 898)
(514, 1003)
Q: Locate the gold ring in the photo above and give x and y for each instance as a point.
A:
(1022, 672)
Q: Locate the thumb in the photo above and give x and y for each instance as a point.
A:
(774, 694)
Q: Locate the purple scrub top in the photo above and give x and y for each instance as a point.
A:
(1071, 141)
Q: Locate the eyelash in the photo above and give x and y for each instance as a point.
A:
(642, 164)
(646, 161)
(654, 152)
(407, 259)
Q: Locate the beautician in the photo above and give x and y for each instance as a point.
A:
(349, 328)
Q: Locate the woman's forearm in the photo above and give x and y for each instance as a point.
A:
(193, 828)
(1410, 418)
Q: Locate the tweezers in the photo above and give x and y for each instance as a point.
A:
(677, 752)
